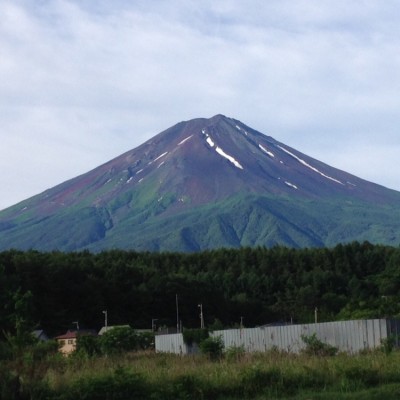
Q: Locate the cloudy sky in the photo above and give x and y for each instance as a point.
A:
(83, 81)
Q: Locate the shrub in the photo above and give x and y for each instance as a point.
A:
(118, 340)
(388, 344)
(42, 350)
(315, 347)
(88, 344)
(235, 353)
(191, 336)
(146, 340)
(212, 347)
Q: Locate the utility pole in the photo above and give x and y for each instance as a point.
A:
(177, 314)
(316, 314)
(201, 316)
(105, 320)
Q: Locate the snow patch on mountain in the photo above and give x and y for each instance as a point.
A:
(210, 141)
(162, 155)
(266, 151)
(220, 151)
(184, 140)
(228, 157)
(309, 166)
(291, 185)
(240, 129)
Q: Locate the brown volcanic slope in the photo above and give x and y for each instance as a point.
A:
(201, 184)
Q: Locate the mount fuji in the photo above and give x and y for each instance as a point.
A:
(205, 184)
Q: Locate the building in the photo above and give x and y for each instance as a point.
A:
(67, 341)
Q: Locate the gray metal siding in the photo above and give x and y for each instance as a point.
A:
(171, 344)
(347, 336)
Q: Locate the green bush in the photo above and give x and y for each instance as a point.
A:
(146, 340)
(235, 353)
(212, 347)
(191, 336)
(388, 344)
(315, 347)
(119, 339)
(42, 350)
(88, 345)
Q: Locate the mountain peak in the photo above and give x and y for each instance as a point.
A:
(218, 117)
(200, 184)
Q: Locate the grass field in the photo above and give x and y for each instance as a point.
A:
(272, 375)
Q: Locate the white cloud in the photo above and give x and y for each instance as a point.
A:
(84, 81)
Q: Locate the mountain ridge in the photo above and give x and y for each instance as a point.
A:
(201, 184)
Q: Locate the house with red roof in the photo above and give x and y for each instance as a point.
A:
(67, 341)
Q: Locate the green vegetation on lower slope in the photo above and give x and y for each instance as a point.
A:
(66, 231)
(146, 221)
(246, 220)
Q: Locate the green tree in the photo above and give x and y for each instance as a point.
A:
(119, 339)
(88, 345)
(21, 337)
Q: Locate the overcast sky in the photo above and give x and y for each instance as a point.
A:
(82, 81)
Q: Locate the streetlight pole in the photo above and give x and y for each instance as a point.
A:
(105, 320)
(77, 325)
(201, 316)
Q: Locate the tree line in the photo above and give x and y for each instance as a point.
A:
(253, 286)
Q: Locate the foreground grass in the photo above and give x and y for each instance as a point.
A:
(272, 375)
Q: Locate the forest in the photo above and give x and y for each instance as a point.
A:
(54, 290)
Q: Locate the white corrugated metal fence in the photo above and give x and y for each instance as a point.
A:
(349, 336)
